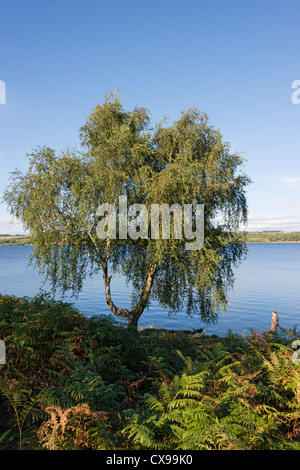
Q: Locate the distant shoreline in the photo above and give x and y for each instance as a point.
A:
(277, 241)
(273, 237)
(251, 237)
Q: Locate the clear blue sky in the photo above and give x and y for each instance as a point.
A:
(233, 59)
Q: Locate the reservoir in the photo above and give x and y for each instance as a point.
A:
(268, 279)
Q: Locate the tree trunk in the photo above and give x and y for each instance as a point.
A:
(134, 313)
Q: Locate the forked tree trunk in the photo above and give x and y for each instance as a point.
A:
(134, 313)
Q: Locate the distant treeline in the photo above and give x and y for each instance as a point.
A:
(14, 240)
(273, 237)
(251, 237)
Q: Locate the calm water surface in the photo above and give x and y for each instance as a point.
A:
(269, 279)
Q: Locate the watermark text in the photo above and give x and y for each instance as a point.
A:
(2, 92)
(2, 353)
(296, 93)
(296, 354)
(134, 221)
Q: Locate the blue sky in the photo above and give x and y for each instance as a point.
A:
(236, 60)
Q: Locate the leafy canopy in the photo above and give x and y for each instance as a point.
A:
(122, 155)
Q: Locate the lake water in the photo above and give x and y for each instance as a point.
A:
(268, 279)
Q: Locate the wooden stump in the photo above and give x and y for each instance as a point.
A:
(275, 319)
